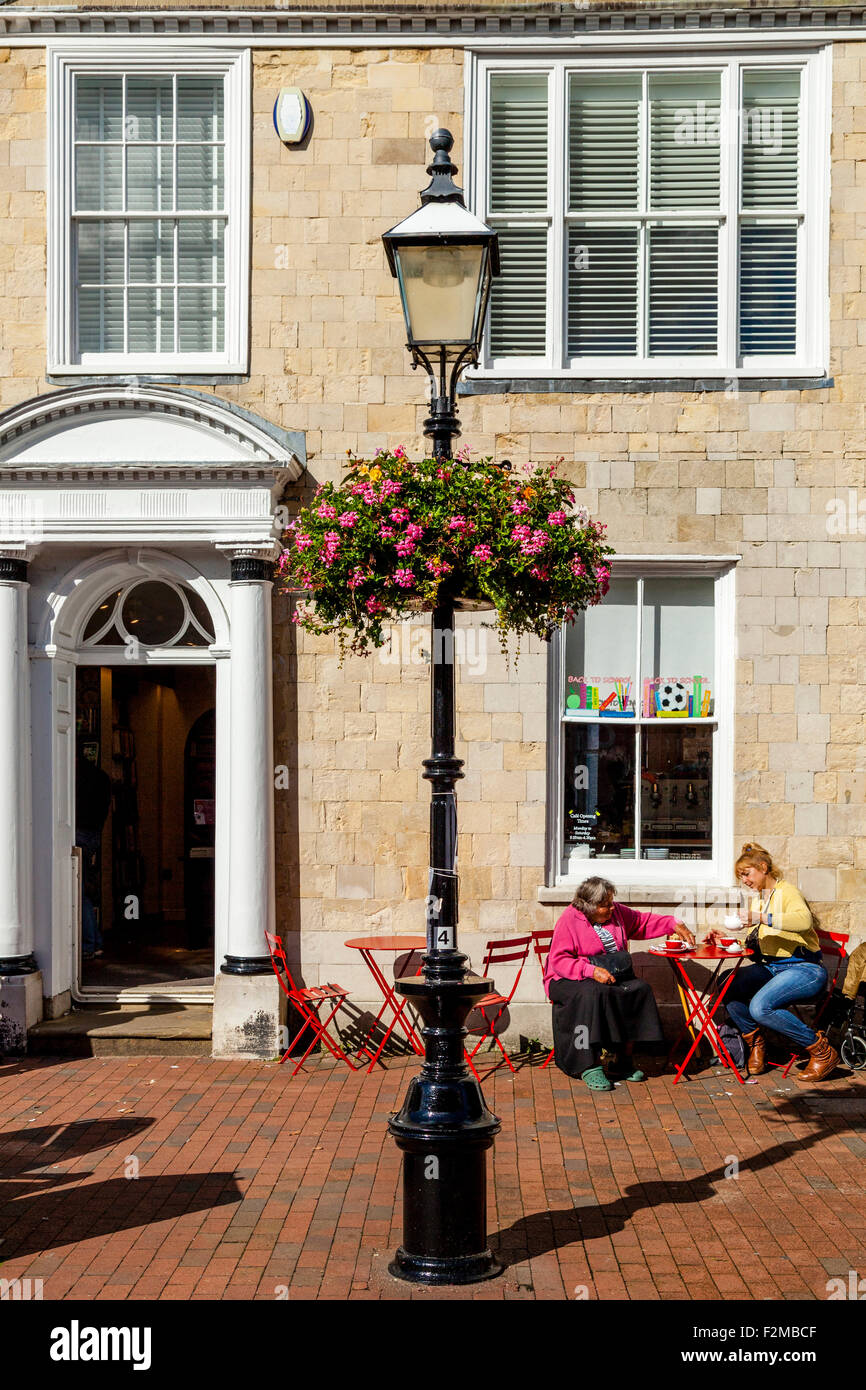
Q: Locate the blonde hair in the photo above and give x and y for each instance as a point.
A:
(754, 856)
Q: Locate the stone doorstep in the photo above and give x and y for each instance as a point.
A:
(149, 1030)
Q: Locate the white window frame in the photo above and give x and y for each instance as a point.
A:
(813, 299)
(64, 65)
(714, 872)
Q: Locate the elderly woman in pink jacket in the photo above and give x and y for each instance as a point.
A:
(598, 1002)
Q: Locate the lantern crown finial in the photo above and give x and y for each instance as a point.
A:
(442, 169)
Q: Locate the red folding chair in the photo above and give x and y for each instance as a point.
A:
(308, 1002)
(833, 944)
(513, 948)
(541, 940)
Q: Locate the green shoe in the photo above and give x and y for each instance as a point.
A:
(596, 1079)
(622, 1069)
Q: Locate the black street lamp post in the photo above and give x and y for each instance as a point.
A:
(443, 258)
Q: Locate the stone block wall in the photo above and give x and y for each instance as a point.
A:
(776, 476)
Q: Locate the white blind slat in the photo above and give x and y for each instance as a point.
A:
(683, 265)
(768, 289)
(518, 142)
(602, 291)
(603, 142)
(684, 140)
(770, 139)
(518, 301)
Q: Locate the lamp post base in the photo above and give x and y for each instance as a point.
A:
(424, 1269)
(444, 1131)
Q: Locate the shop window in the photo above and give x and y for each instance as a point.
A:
(643, 728)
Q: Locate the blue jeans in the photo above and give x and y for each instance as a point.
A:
(760, 993)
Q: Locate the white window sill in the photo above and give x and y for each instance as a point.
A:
(518, 380)
(150, 366)
(670, 894)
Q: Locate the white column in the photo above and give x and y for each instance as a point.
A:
(249, 1006)
(16, 921)
(251, 784)
(20, 979)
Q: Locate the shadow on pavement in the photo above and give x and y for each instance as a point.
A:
(586, 1220)
(39, 1209)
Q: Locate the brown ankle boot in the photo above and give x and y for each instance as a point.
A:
(822, 1060)
(756, 1043)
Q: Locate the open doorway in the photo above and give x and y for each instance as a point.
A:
(145, 825)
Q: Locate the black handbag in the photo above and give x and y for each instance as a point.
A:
(751, 944)
(619, 963)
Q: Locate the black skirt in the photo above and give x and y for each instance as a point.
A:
(588, 1016)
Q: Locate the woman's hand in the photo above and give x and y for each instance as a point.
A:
(602, 976)
(681, 930)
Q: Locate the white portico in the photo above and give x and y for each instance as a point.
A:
(108, 492)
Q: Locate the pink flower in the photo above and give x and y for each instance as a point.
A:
(557, 518)
(399, 514)
(457, 523)
(414, 532)
(520, 533)
(373, 605)
(519, 507)
(326, 511)
(533, 543)
(539, 572)
(390, 488)
(302, 540)
(400, 452)
(482, 552)
(330, 548)
(387, 533)
(578, 568)
(405, 548)
(404, 578)
(348, 519)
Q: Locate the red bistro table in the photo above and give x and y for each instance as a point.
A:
(367, 945)
(699, 1006)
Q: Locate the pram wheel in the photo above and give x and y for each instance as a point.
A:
(853, 1051)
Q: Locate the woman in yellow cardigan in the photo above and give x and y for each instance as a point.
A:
(787, 967)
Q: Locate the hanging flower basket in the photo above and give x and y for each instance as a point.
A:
(397, 535)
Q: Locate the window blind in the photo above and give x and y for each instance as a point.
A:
(603, 142)
(518, 305)
(768, 289)
(770, 178)
(152, 278)
(684, 141)
(683, 290)
(519, 186)
(603, 291)
(645, 206)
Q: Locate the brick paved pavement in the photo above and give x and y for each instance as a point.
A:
(252, 1185)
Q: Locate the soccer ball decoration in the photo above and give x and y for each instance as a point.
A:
(673, 698)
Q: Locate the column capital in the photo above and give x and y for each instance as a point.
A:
(251, 564)
(13, 566)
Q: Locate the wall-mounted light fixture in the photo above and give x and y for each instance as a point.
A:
(292, 115)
